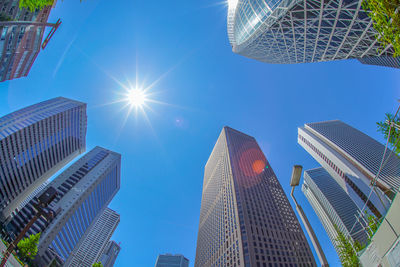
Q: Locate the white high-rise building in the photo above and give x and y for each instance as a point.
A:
(353, 159)
(96, 240)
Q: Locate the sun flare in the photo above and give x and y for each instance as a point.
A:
(136, 97)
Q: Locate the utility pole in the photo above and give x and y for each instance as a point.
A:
(43, 201)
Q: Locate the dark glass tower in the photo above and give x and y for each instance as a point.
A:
(245, 216)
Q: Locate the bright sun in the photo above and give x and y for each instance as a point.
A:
(136, 97)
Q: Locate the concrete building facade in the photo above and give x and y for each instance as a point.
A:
(245, 216)
(20, 44)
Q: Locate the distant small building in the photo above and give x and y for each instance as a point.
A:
(169, 260)
(94, 243)
(110, 254)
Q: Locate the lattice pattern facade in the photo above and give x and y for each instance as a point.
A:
(245, 218)
(301, 31)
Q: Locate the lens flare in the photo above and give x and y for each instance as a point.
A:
(258, 166)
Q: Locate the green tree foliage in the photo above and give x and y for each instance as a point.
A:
(386, 17)
(32, 5)
(347, 251)
(97, 264)
(28, 246)
(373, 224)
(394, 133)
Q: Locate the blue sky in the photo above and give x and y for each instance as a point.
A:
(184, 46)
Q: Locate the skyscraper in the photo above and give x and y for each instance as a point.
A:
(353, 159)
(84, 191)
(245, 216)
(20, 38)
(169, 260)
(110, 254)
(333, 206)
(94, 242)
(33, 194)
(35, 142)
(287, 32)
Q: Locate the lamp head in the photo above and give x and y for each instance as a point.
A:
(296, 175)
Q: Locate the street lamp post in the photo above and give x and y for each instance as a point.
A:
(43, 201)
(294, 181)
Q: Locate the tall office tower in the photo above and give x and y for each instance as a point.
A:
(84, 190)
(245, 216)
(353, 159)
(287, 32)
(96, 239)
(333, 206)
(35, 142)
(21, 36)
(32, 195)
(169, 260)
(110, 254)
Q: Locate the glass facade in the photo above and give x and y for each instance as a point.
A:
(169, 260)
(365, 152)
(333, 206)
(288, 31)
(35, 142)
(110, 254)
(84, 191)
